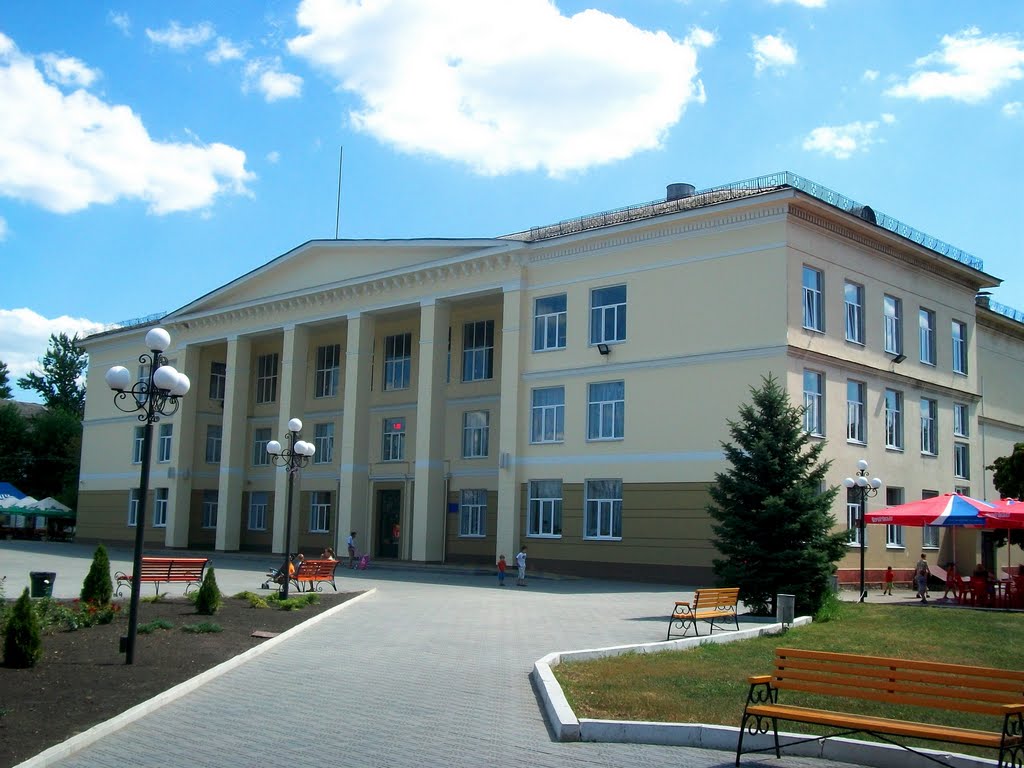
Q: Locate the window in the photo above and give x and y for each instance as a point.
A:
(478, 351)
(930, 533)
(855, 313)
(320, 512)
(549, 321)
(323, 440)
(258, 501)
(160, 508)
(962, 461)
(963, 490)
(209, 509)
(894, 419)
(394, 440)
(960, 347)
(607, 411)
(214, 433)
(926, 323)
(548, 415)
(961, 424)
(929, 426)
(475, 434)
(260, 438)
(143, 380)
(853, 517)
(608, 315)
(164, 444)
(266, 378)
(893, 321)
(137, 443)
(545, 512)
(397, 361)
(328, 370)
(603, 516)
(814, 310)
(133, 507)
(894, 533)
(856, 416)
(814, 408)
(473, 512)
(218, 377)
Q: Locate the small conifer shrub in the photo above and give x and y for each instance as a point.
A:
(97, 587)
(208, 599)
(22, 644)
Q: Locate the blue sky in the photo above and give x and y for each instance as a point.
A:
(151, 152)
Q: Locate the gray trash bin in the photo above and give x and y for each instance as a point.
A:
(42, 583)
(785, 609)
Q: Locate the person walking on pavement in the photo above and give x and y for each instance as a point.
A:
(351, 542)
(921, 574)
(521, 563)
(890, 576)
(501, 571)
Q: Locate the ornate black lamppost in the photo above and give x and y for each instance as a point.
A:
(863, 488)
(294, 459)
(156, 393)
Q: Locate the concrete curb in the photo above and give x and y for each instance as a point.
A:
(567, 727)
(78, 742)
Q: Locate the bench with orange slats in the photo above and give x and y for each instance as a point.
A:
(931, 685)
(166, 570)
(712, 605)
(313, 574)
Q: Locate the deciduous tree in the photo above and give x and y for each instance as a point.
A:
(63, 365)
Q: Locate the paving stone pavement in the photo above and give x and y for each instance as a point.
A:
(431, 670)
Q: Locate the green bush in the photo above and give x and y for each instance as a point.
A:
(155, 624)
(97, 587)
(204, 628)
(831, 608)
(208, 599)
(22, 644)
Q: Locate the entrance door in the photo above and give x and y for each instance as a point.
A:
(389, 513)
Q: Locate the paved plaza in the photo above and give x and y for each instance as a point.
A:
(431, 670)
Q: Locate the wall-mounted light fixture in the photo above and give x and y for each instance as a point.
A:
(899, 358)
(604, 349)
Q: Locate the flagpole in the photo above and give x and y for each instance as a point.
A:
(337, 217)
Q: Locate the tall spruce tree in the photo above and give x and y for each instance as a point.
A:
(772, 510)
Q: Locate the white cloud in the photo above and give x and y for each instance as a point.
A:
(841, 141)
(870, 74)
(772, 52)
(67, 151)
(503, 86)
(68, 71)
(888, 118)
(804, 3)
(1012, 108)
(225, 50)
(273, 157)
(179, 38)
(25, 334)
(265, 76)
(3, 229)
(967, 68)
(121, 21)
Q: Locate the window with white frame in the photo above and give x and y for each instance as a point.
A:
(930, 533)
(266, 378)
(209, 509)
(218, 379)
(853, 517)
(323, 440)
(814, 407)
(894, 533)
(133, 507)
(260, 438)
(608, 315)
(814, 309)
(478, 351)
(160, 508)
(892, 317)
(138, 441)
(544, 517)
(961, 423)
(328, 370)
(393, 448)
(397, 361)
(549, 323)
(473, 512)
(856, 413)
(929, 426)
(854, 313)
(963, 490)
(606, 411)
(320, 512)
(926, 323)
(547, 424)
(163, 453)
(962, 461)
(603, 509)
(258, 502)
(894, 419)
(143, 380)
(959, 347)
(214, 437)
(475, 434)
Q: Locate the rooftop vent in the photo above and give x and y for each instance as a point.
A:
(679, 191)
(865, 212)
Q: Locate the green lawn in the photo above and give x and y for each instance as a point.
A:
(708, 684)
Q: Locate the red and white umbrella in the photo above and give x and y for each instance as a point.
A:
(1008, 513)
(949, 509)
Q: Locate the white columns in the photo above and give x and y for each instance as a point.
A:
(353, 514)
(233, 444)
(179, 494)
(292, 400)
(509, 534)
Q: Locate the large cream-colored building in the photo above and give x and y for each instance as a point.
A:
(566, 387)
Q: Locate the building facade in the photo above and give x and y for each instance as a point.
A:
(567, 387)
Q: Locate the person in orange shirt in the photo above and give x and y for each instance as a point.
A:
(889, 577)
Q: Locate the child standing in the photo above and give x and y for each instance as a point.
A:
(521, 562)
(501, 571)
(889, 576)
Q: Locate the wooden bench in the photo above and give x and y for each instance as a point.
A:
(314, 574)
(952, 688)
(711, 605)
(166, 570)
